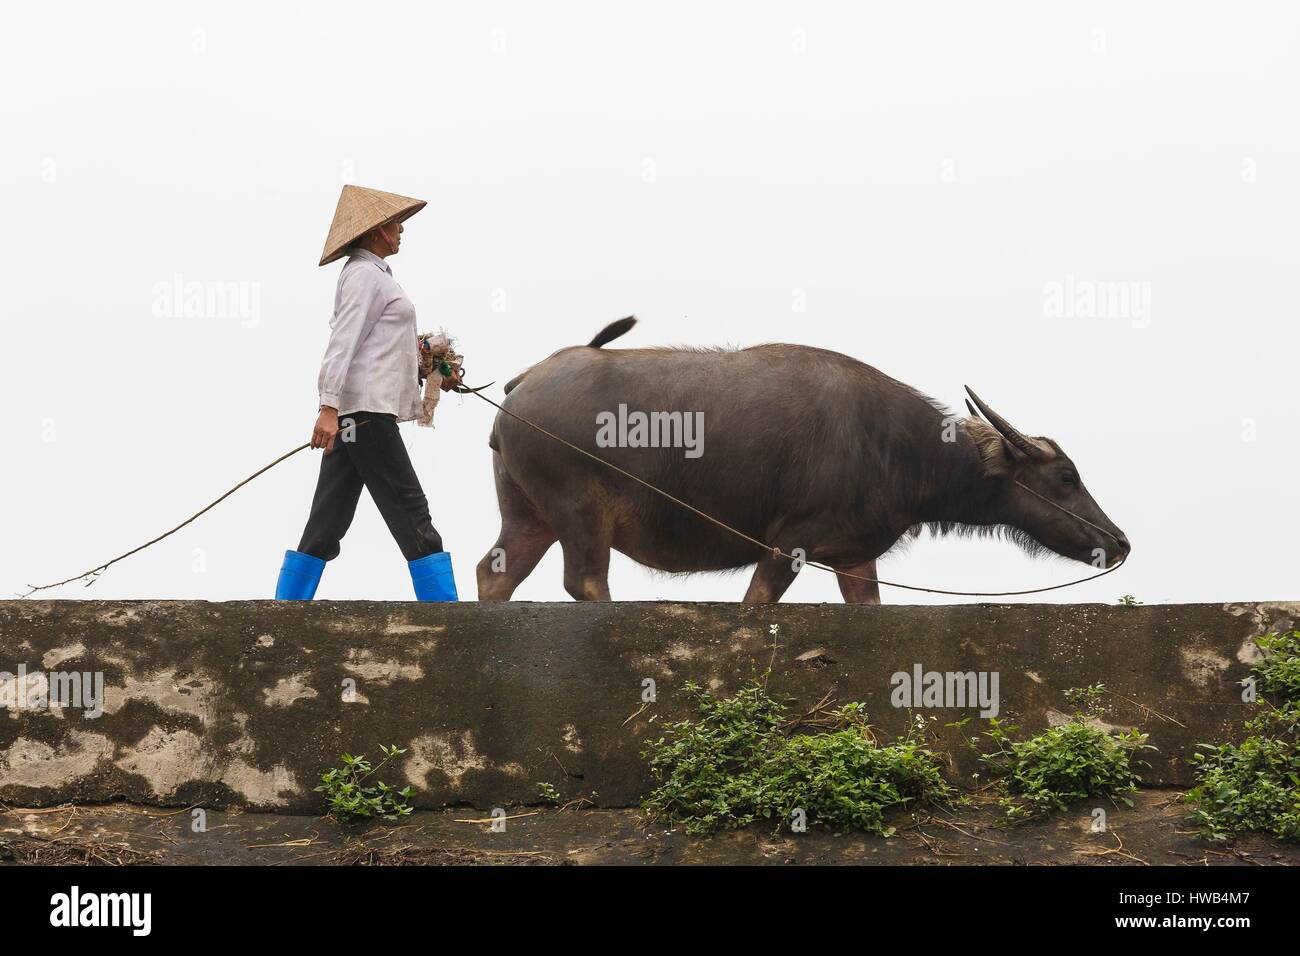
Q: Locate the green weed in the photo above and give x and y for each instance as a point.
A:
(1063, 765)
(1255, 785)
(740, 761)
(351, 798)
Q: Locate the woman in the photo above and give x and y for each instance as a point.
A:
(369, 381)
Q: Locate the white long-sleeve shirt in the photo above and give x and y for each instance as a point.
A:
(370, 364)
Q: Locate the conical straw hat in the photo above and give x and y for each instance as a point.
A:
(360, 210)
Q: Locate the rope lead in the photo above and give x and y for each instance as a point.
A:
(774, 550)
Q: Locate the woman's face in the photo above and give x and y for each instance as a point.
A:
(388, 239)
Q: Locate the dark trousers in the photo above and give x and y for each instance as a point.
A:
(376, 459)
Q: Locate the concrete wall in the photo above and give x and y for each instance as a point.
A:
(242, 704)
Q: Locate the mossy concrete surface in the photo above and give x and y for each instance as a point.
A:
(245, 704)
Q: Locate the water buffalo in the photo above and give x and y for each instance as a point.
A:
(796, 446)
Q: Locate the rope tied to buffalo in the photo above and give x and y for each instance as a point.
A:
(775, 551)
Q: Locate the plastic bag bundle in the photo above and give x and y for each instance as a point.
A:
(438, 362)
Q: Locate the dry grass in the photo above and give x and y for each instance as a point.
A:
(361, 854)
(73, 852)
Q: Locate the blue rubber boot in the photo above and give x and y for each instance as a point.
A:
(433, 578)
(299, 576)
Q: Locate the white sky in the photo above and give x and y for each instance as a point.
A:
(917, 172)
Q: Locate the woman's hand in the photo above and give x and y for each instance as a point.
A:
(327, 428)
(451, 381)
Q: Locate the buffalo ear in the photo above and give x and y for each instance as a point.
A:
(996, 453)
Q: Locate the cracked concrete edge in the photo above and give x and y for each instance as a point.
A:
(245, 704)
